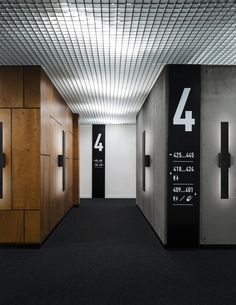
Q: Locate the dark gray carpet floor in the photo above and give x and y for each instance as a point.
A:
(105, 253)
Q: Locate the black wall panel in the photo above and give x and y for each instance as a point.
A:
(183, 191)
(98, 168)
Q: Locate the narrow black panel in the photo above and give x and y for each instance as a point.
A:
(64, 160)
(98, 180)
(224, 160)
(183, 195)
(1, 160)
(147, 160)
(60, 161)
(143, 161)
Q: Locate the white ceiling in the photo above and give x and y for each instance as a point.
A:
(104, 56)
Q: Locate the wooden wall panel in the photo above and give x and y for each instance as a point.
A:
(47, 98)
(32, 87)
(25, 159)
(69, 145)
(76, 182)
(69, 184)
(76, 173)
(5, 118)
(56, 193)
(58, 108)
(69, 172)
(45, 196)
(70, 120)
(75, 136)
(68, 123)
(11, 87)
(11, 226)
(33, 134)
(32, 227)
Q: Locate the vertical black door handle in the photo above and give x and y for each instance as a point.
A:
(224, 160)
(146, 160)
(2, 160)
(143, 161)
(62, 161)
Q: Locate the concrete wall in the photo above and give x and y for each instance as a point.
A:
(120, 161)
(153, 119)
(218, 103)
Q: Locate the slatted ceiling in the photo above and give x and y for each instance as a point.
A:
(104, 56)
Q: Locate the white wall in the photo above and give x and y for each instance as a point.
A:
(120, 161)
(120, 158)
(85, 161)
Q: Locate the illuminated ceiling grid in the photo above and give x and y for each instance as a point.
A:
(104, 56)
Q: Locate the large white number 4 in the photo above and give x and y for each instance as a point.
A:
(188, 121)
(98, 145)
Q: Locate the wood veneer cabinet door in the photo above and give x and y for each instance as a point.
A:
(68, 119)
(69, 184)
(32, 227)
(25, 159)
(56, 192)
(76, 194)
(69, 145)
(11, 87)
(69, 172)
(5, 118)
(75, 136)
(32, 86)
(11, 226)
(45, 196)
(47, 96)
(58, 108)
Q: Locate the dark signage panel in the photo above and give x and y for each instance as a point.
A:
(98, 180)
(183, 156)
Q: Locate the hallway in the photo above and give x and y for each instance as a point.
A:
(104, 252)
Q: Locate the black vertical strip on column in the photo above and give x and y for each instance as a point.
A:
(184, 94)
(143, 162)
(1, 160)
(98, 169)
(224, 160)
(64, 160)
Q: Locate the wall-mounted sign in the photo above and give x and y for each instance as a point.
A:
(183, 156)
(98, 180)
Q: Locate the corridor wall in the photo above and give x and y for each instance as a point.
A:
(152, 118)
(34, 118)
(185, 200)
(120, 158)
(120, 161)
(218, 104)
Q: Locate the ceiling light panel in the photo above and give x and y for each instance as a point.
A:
(104, 56)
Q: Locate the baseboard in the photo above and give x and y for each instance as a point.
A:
(217, 246)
